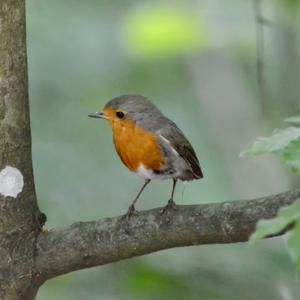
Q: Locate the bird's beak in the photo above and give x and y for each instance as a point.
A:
(98, 114)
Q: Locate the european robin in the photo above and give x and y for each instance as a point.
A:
(149, 143)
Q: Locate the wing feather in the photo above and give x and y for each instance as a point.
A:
(176, 139)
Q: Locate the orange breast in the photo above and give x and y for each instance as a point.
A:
(136, 146)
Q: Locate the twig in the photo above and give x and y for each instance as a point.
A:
(260, 21)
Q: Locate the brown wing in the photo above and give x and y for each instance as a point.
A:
(182, 146)
(189, 155)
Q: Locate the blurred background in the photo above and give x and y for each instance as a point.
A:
(196, 60)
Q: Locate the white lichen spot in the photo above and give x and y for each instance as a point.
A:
(11, 182)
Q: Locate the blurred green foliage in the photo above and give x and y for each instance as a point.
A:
(83, 53)
(145, 281)
(162, 31)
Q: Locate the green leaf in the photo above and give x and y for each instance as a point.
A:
(265, 228)
(273, 144)
(291, 155)
(286, 216)
(293, 120)
(294, 244)
(286, 144)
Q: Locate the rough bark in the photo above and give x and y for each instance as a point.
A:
(95, 243)
(18, 229)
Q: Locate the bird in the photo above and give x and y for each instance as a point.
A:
(149, 144)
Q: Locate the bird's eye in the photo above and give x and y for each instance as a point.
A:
(120, 114)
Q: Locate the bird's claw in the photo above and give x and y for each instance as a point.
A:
(171, 206)
(131, 212)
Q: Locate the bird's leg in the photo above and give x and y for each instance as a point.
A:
(131, 209)
(171, 205)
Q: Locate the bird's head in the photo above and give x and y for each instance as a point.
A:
(126, 108)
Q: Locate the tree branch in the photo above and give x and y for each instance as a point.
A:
(89, 244)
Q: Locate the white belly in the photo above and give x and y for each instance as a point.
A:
(145, 173)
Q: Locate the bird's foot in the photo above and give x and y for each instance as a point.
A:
(131, 212)
(171, 206)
